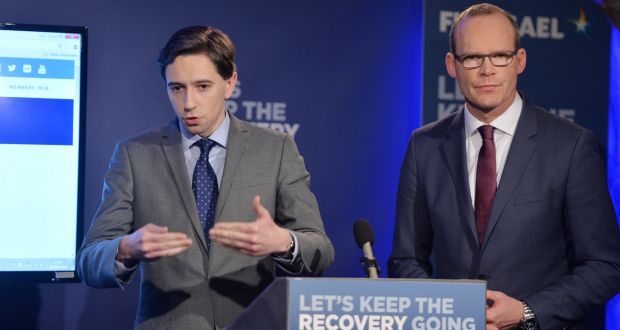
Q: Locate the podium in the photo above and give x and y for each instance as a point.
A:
(360, 303)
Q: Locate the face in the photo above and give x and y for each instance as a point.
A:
(198, 93)
(487, 89)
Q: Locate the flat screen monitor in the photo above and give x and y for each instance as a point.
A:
(42, 122)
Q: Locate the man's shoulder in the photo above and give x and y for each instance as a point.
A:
(551, 124)
(257, 133)
(152, 135)
(440, 129)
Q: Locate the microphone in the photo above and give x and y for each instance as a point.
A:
(365, 238)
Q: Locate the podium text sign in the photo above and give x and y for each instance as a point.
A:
(365, 304)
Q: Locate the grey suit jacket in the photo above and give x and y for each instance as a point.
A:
(552, 237)
(147, 182)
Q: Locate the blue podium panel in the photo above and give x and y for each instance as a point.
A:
(358, 303)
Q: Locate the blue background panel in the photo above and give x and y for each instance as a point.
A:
(36, 121)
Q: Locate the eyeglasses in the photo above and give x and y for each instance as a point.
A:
(473, 61)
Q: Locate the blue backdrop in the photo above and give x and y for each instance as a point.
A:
(343, 77)
(613, 159)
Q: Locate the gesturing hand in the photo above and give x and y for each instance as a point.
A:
(151, 242)
(258, 238)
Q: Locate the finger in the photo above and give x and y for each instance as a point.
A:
(154, 255)
(242, 227)
(165, 253)
(232, 238)
(238, 245)
(161, 245)
(171, 237)
(233, 235)
(154, 241)
(167, 249)
(150, 227)
(247, 244)
(221, 235)
(260, 210)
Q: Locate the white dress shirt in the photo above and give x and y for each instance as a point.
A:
(505, 126)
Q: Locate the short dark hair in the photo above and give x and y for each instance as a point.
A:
(200, 40)
(482, 9)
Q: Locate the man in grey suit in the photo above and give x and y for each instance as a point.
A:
(506, 192)
(190, 204)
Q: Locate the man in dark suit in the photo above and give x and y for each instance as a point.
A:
(506, 192)
(205, 207)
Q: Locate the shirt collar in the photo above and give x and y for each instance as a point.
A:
(220, 135)
(506, 122)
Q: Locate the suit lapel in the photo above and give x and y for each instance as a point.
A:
(173, 150)
(521, 150)
(237, 142)
(454, 155)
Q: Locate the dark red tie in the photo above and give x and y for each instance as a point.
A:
(485, 180)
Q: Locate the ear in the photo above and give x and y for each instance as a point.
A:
(521, 60)
(230, 85)
(451, 64)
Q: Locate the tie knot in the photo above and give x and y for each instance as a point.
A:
(205, 145)
(486, 131)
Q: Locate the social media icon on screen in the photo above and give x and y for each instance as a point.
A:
(27, 68)
(42, 69)
(12, 67)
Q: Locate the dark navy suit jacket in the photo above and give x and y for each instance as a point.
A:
(552, 239)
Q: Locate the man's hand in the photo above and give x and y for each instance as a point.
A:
(151, 242)
(257, 238)
(506, 312)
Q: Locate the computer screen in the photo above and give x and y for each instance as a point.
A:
(42, 116)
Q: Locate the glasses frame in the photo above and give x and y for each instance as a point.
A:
(512, 54)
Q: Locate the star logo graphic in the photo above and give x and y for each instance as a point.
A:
(581, 24)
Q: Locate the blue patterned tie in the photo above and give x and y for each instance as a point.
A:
(204, 185)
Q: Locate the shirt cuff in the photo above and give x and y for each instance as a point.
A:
(123, 273)
(290, 265)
